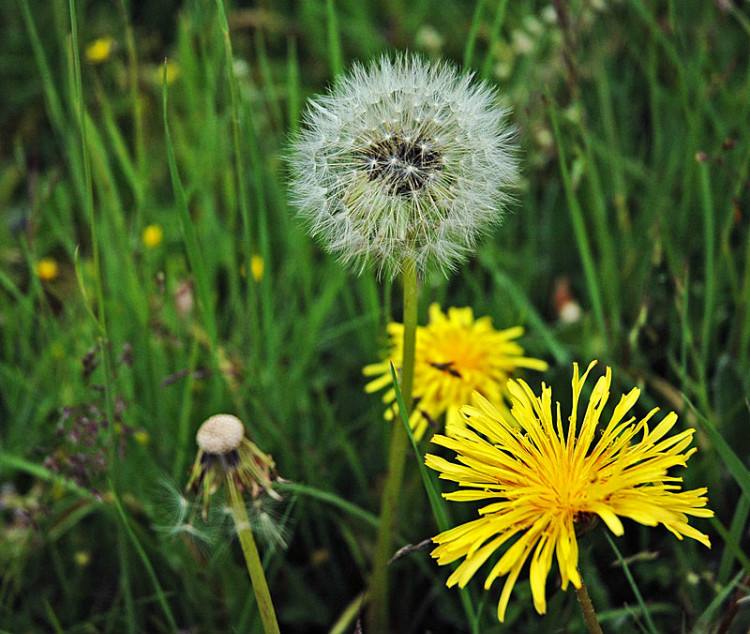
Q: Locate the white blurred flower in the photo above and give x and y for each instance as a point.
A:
(403, 159)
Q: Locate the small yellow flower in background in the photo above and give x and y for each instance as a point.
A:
(82, 558)
(541, 482)
(153, 235)
(142, 437)
(99, 50)
(456, 357)
(257, 266)
(47, 269)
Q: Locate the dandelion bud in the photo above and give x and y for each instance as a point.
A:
(403, 160)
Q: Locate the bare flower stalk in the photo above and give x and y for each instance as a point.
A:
(587, 607)
(252, 560)
(396, 460)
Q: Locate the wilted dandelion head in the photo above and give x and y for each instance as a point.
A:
(225, 452)
(403, 159)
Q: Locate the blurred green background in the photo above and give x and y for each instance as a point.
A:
(628, 242)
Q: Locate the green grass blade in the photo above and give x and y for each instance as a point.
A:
(471, 40)
(192, 247)
(329, 498)
(437, 504)
(731, 460)
(145, 560)
(579, 225)
(497, 24)
(736, 530)
(639, 597)
(17, 463)
(334, 39)
(703, 624)
(523, 304)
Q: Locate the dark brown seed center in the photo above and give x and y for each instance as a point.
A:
(405, 164)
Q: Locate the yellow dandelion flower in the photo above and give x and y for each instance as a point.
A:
(457, 356)
(542, 482)
(153, 235)
(257, 266)
(47, 269)
(99, 50)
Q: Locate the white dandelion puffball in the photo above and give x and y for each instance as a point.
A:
(403, 159)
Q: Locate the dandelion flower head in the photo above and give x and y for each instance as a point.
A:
(403, 159)
(541, 482)
(456, 357)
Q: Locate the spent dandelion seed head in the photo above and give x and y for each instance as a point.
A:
(542, 479)
(225, 452)
(403, 160)
(456, 357)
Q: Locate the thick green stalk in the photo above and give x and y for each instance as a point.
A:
(252, 560)
(378, 616)
(589, 614)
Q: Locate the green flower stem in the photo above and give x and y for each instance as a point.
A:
(252, 560)
(589, 614)
(378, 615)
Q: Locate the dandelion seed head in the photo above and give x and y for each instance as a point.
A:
(403, 159)
(220, 434)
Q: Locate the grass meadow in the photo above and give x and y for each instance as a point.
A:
(153, 273)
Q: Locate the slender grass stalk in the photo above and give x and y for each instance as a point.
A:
(579, 227)
(650, 625)
(497, 24)
(252, 560)
(136, 104)
(160, 594)
(471, 40)
(589, 614)
(378, 616)
(189, 232)
(234, 98)
(334, 39)
(88, 202)
(709, 232)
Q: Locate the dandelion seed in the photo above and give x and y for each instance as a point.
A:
(403, 160)
(543, 483)
(457, 356)
(47, 269)
(153, 235)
